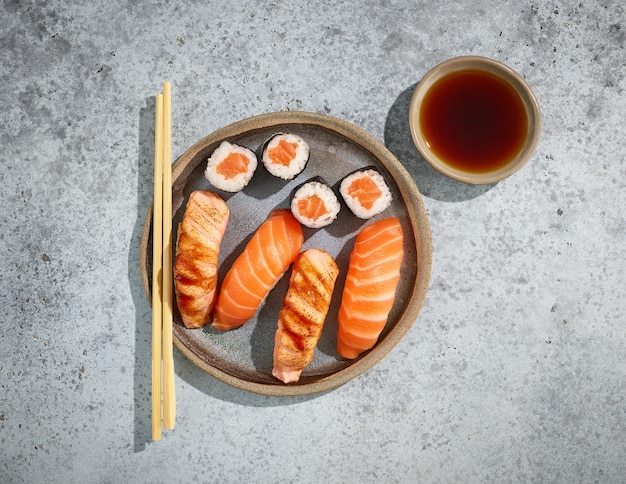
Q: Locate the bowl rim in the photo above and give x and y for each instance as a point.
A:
(418, 220)
(506, 73)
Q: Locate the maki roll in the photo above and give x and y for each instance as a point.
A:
(285, 155)
(366, 193)
(230, 167)
(314, 204)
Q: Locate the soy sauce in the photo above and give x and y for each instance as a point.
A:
(474, 121)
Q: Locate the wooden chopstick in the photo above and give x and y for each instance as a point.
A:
(169, 402)
(157, 263)
(163, 392)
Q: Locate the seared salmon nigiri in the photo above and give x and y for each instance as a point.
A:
(302, 317)
(197, 250)
(369, 291)
(273, 247)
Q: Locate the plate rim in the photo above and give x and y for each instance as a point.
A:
(418, 218)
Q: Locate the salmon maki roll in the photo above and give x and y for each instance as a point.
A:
(370, 287)
(315, 205)
(285, 155)
(197, 250)
(272, 249)
(366, 193)
(304, 311)
(230, 167)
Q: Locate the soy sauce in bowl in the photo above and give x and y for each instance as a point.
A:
(474, 120)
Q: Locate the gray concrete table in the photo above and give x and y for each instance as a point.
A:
(515, 370)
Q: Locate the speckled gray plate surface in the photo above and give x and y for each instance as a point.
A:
(243, 357)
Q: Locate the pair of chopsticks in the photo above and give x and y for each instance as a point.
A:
(163, 395)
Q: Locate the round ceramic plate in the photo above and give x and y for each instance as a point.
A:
(243, 357)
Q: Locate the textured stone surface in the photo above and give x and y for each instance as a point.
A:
(515, 368)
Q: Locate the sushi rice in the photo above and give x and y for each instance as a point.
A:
(315, 205)
(366, 193)
(285, 155)
(230, 167)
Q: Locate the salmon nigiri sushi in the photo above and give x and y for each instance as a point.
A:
(272, 249)
(304, 311)
(197, 250)
(370, 287)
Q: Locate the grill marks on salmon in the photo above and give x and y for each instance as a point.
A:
(197, 251)
(370, 287)
(304, 311)
(272, 249)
